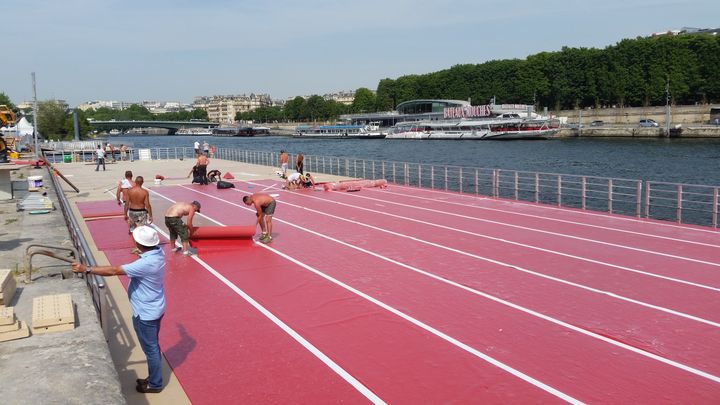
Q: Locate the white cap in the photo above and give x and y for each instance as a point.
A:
(146, 236)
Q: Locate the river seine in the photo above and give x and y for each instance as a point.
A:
(693, 161)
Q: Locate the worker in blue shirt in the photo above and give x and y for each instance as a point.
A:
(147, 299)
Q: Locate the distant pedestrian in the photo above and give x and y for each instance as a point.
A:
(146, 293)
(123, 152)
(110, 150)
(206, 148)
(197, 148)
(123, 186)
(299, 163)
(265, 207)
(100, 156)
(284, 158)
(212, 151)
(201, 166)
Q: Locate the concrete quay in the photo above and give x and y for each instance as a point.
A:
(79, 366)
(71, 367)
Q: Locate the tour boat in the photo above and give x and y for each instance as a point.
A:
(507, 126)
(240, 131)
(339, 132)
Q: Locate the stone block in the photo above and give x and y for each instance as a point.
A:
(10, 328)
(20, 333)
(7, 315)
(7, 286)
(53, 310)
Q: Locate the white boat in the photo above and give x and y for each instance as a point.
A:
(508, 126)
(338, 132)
(194, 131)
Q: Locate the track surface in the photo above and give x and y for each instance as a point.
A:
(409, 295)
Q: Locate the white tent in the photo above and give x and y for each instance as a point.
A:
(24, 127)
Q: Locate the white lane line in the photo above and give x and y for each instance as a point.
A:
(562, 235)
(480, 207)
(576, 211)
(388, 308)
(480, 293)
(615, 266)
(307, 345)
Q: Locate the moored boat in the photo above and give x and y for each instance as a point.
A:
(498, 128)
(338, 132)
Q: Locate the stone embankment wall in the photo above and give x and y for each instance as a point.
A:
(630, 116)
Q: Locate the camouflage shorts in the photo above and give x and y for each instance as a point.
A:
(137, 218)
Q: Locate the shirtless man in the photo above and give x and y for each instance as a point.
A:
(265, 206)
(299, 163)
(174, 223)
(138, 211)
(284, 158)
(202, 164)
(123, 186)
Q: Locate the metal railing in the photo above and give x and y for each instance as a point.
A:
(95, 283)
(682, 203)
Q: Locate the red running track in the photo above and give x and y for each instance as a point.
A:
(408, 295)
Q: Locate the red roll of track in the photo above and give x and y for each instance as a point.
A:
(221, 237)
(354, 185)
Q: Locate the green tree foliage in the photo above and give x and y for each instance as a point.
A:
(5, 100)
(633, 72)
(262, 114)
(364, 101)
(51, 120)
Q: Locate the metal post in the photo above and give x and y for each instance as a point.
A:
(638, 198)
(419, 176)
(584, 191)
(461, 181)
(477, 189)
(679, 203)
(446, 178)
(35, 118)
(537, 187)
(647, 199)
(516, 186)
(394, 178)
(715, 208)
(364, 175)
(495, 177)
(432, 177)
(610, 196)
(559, 190)
(406, 173)
(373, 170)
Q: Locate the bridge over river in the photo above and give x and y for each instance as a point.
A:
(171, 126)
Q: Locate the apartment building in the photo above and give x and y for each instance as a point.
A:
(223, 109)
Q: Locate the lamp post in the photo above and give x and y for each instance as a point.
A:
(667, 107)
(35, 118)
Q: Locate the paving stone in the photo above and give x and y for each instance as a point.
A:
(22, 332)
(52, 310)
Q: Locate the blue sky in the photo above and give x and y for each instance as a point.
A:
(166, 50)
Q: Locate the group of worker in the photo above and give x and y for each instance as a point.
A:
(138, 211)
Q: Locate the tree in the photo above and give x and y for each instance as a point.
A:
(51, 119)
(5, 100)
(364, 101)
(294, 107)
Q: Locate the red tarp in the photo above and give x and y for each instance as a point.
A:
(219, 237)
(96, 209)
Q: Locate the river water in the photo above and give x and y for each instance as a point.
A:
(693, 161)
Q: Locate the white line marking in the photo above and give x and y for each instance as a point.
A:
(287, 329)
(545, 232)
(628, 269)
(485, 295)
(388, 308)
(554, 219)
(575, 210)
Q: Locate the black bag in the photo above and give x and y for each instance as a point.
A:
(222, 184)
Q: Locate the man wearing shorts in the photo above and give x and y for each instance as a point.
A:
(284, 158)
(265, 207)
(174, 223)
(123, 186)
(138, 211)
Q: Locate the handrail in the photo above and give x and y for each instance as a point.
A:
(695, 204)
(96, 283)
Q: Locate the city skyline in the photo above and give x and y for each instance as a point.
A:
(177, 50)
